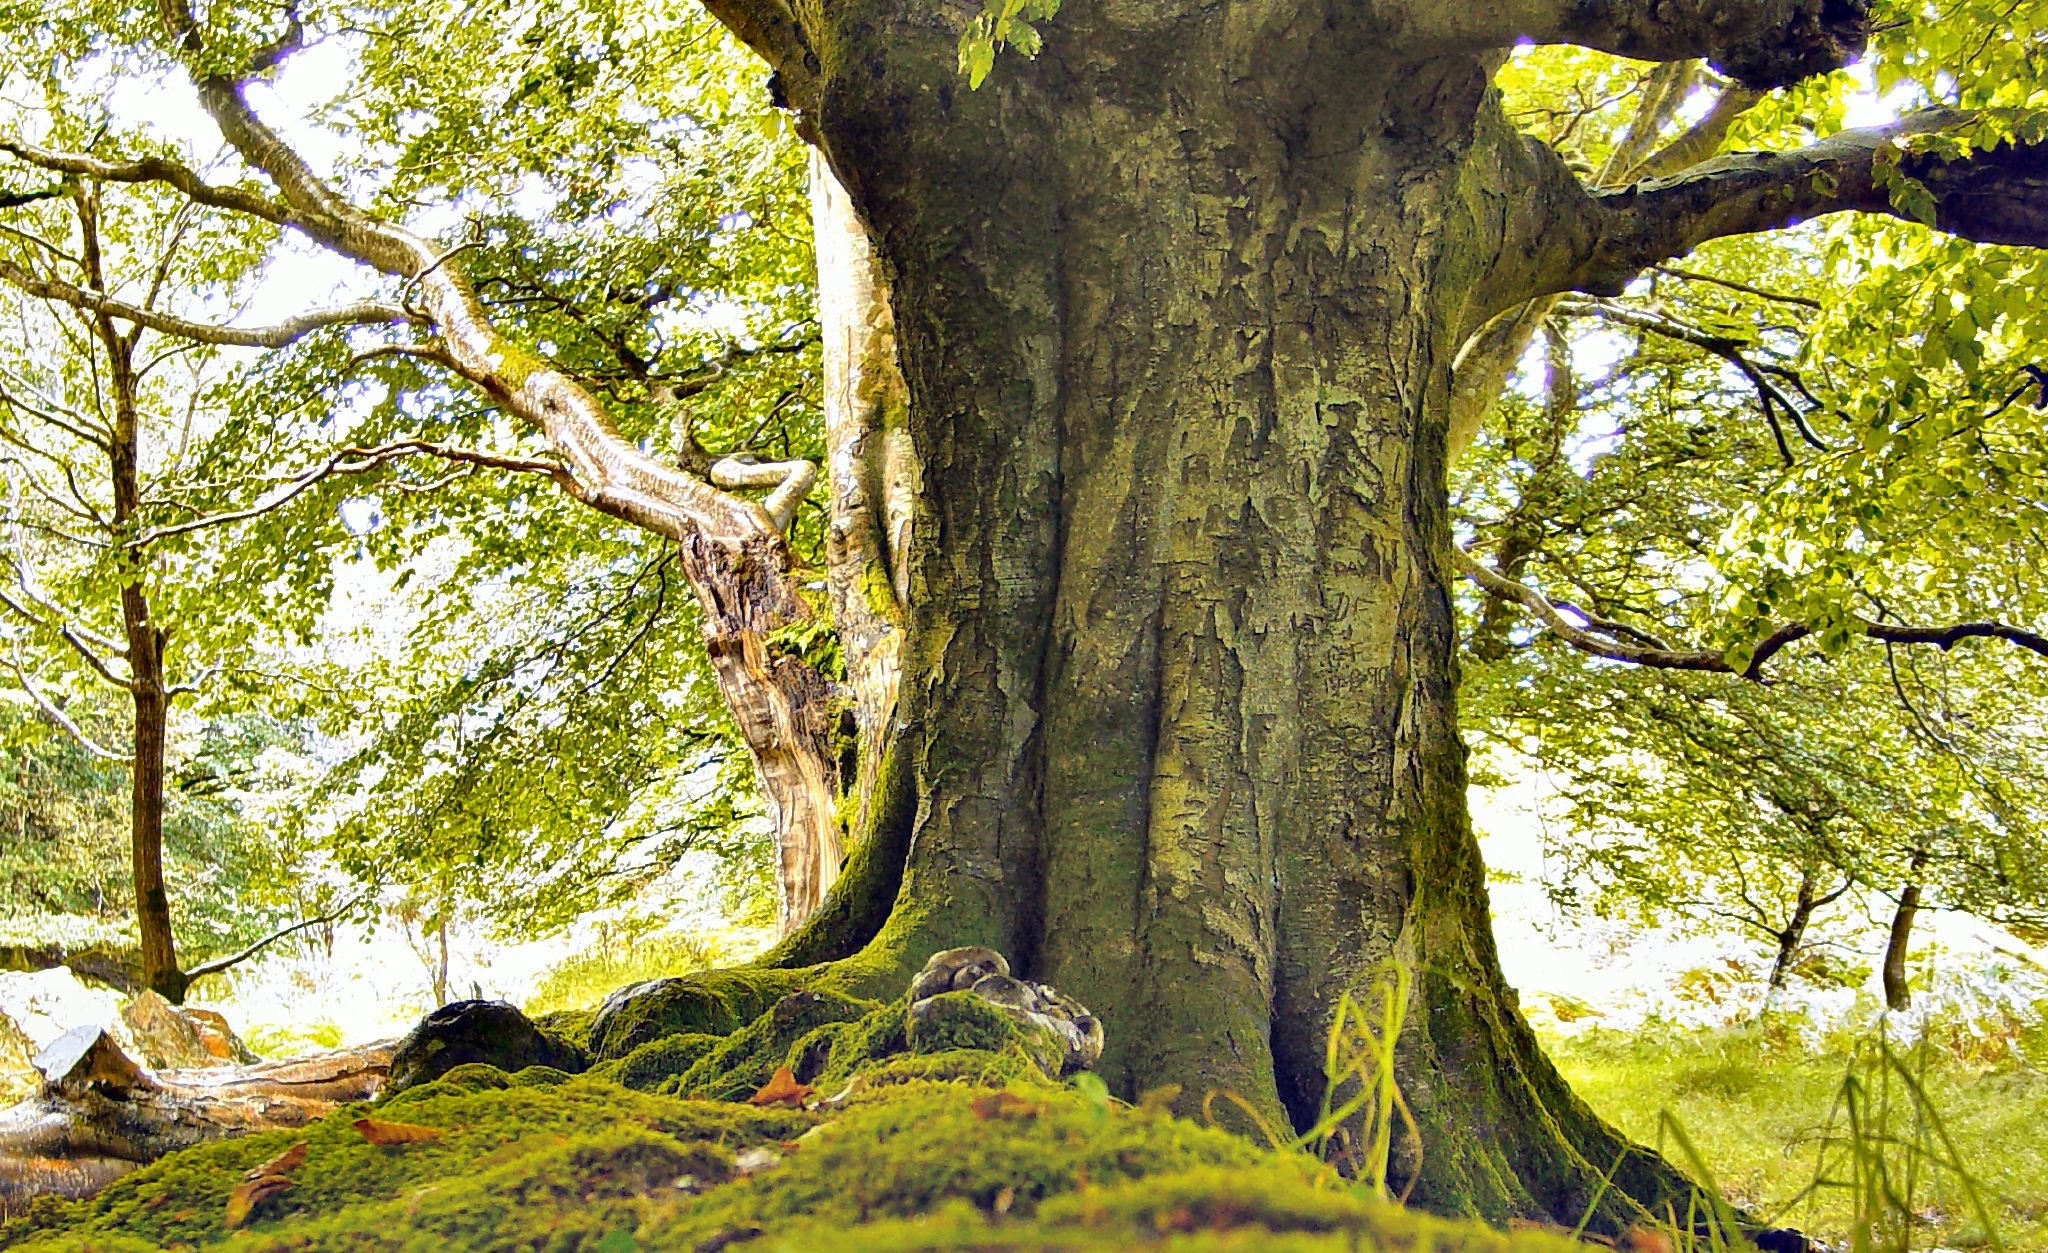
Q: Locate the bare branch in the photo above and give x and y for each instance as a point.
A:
(1599, 643)
(150, 170)
(219, 964)
(1693, 276)
(362, 313)
(54, 713)
(359, 461)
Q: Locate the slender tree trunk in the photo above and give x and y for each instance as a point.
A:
(146, 643)
(784, 708)
(1793, 933)
(1179, 686)
(1897, 994)
(160, 968)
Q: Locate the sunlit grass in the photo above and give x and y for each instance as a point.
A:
(1761, 1106)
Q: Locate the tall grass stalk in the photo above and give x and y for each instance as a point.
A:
(1358, 1067)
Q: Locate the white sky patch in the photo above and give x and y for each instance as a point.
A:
(1866, 108)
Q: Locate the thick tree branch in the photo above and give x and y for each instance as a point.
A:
(791, 482)
(771, 29)
(1602, 641)
(1759, 43)
(609, 472)
(174, 174)
(362, 313)
(1996, 196)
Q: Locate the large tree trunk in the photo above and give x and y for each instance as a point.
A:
(1179, 687)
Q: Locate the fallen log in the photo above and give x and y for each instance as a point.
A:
(99, 1115)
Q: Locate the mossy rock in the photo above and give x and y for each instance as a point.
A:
(539, 1077)
(718, 1002)
(492, 1033)
(647, 1066)
(743, 1061)
(962, 1020)
(973, 1067)
(464, 1079)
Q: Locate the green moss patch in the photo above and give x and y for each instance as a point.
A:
(904, 1150)
(535, 1162)
(646, 1067)
(741, 1063)
(182, 1198)
(1270, 1207)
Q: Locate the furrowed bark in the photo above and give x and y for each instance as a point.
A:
(1178, 685)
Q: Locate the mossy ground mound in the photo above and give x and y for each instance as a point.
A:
(915, 1163)
(944, 1134)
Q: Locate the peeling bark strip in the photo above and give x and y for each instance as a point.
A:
(781, 704)
(873, 473)
(1177, 332)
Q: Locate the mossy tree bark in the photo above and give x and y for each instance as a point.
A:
(1177, 304)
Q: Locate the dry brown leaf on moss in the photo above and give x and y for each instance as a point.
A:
(781, 1089)
(242, 1202)
(283, 1164)
(377, 1131)
(1004, 1105)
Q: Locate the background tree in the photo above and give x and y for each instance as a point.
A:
(108, 428)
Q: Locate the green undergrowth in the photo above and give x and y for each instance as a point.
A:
(949, 1149)
(1763, 1109)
